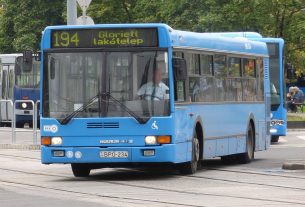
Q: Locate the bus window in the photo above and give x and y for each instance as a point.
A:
(274, 71)
(4, 85)
(260, 82)
(194, 76)
(220, 74)
(192, 61)
(30, 79)
(206, 64)
(180, 92)
(249, 80)
(120, 75)
(202, 86)
(233, 81)
(135, 78)
(11, 82)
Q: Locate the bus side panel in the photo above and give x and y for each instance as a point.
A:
(184, 127)
(225, 127)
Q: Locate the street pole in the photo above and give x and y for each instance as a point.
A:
(71, 12)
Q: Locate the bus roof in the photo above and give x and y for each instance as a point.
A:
(250, 35)
(239, 34)
(169, 37)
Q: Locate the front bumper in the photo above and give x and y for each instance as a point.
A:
(163, 154)
(279, 130)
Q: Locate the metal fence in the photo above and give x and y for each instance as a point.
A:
(33, 111)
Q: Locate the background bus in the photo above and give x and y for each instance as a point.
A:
(18, 84)
(103, 104)
(277, 80)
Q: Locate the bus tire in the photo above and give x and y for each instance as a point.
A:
(192, 166)
(249, 154)
(275, 138)
(80, 170)
(229, 159)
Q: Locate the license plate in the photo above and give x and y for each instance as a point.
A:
(114, 154)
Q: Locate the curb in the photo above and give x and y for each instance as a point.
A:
(294, 165)
(20, 146)
(296, 130)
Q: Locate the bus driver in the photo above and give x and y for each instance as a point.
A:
(154, 90)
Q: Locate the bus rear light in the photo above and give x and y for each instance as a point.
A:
(164, 139)
(46, 141)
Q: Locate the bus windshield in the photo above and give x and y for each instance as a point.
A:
(29, 79)
(139, 80)
(275, 71)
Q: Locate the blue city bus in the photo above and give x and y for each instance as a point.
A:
(127, 95)
(277, 80)
(18, 81)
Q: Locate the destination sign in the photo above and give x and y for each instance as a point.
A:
(104, 38)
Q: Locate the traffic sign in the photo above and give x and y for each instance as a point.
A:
(84, 3)
(84, 20)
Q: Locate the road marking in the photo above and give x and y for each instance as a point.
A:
(282, 140)
(301, 137)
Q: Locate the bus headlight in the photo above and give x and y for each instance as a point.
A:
(56, 141)
(150, 140)
(24, 105)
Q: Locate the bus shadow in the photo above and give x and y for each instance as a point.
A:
(128, 174)
(148, 174)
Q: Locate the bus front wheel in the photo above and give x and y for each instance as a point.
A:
(80, 170)
(192, 166)
(249, 154)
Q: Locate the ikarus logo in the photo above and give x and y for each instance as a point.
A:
(50, 128)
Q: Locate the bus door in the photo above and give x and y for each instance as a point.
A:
(10, 90)
(4, 83)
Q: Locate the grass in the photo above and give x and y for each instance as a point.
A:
(296, 117)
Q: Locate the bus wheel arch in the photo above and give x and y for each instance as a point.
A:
(248, 156)
(197, 150)
(252, 123)
(199, 130)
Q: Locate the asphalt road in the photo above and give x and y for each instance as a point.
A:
(26, 182)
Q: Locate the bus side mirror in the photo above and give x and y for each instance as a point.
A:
(27, 61)
(290, 71)
(52, 68)
(179, 68)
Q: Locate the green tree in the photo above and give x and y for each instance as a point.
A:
(22, 23)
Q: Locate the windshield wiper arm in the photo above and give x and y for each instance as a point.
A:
(141, 120)
(68, 118)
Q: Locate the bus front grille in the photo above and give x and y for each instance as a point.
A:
(105, 125)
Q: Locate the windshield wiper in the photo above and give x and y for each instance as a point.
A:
(67, 119)
(141, 120)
